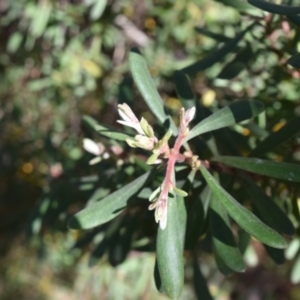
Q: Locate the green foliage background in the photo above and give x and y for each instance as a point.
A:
(60, 60)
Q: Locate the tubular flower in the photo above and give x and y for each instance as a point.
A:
(161, 208)
(160, 150)
(129, 118)
(146, 138)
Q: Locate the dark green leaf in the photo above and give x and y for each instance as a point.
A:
(201, 289)
(121, 243)
(280, 170)
(169, 253)
(244, 240)
(247, 220)
(126, 91)
(294, 60)
(157, 279)
(277, 138)
(216, 36)
(227, 116)
(216, 55)
(276, 254)
(295, 19)
(147, 88)
(238, 64)
(237, 4)
(109, 207)
(108, 234)
(184, 89)
(270, 213)
(275, 8)
(195, 223)
(222, 237)
(223, 268)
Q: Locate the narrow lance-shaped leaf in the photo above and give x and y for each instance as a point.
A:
(109, 207)
(105, 130)
(216, 36)
(277, 138)
(246, 219)
(240, 5)
(216, 55)
(147, 88)
(275, 8)
(201, 289)
(276, 254)
(195, 222)
(280, 170)
(222, 237)
(184, 89)
(295, 19)
(227, 116)
(223, 268)
(270, 213)
(238, 64)
(169, 253)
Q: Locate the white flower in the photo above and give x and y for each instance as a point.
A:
(129, 118)
(95, 148)
(92, 147)
(160, 206)
(189, 115)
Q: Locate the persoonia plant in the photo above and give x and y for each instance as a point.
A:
(197, 205)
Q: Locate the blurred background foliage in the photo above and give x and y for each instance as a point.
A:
(61, 59)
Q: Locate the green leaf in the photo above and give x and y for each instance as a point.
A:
(147, 88)
(275, 8)
(216, 36)
(216, 55)
(157, 279)
(238, 64)
(109, 207)
(294, 60)
(112, 133)
(270, 213)
(246, 219)
(107, 235)
(276, 254)
(223, 268)
(280, 170)
(277, 138)
(105, 130)
(182, 219)
(98, 9)
(244, 240)
(169, 253)
(14, 42)
(295, 19)
(222, 237)
(120, 244)
(237, 4)
(201, 289)
(184, 89)
(227, 116)
(195, 222)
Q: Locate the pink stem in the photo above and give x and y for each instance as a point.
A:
(174, 154)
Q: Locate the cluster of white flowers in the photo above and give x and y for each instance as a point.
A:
(146, 139)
